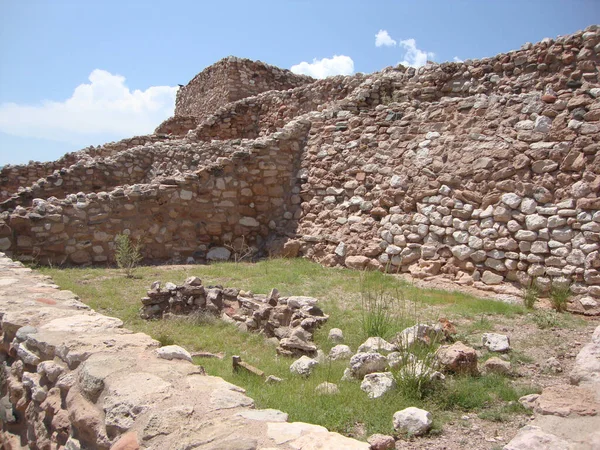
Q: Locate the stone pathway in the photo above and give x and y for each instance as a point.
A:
(76, 379)
(567, 416)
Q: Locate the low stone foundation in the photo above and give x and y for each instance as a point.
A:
(290, 320)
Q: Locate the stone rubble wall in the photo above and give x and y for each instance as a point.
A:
(265, 113)
(229, 80)
(238, 200)
(290, 321)
(177, 125)
(14, 178)
(483, 172)
(73, 379)
(139, 164)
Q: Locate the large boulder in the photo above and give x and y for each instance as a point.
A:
(457, 358)
(413, 421)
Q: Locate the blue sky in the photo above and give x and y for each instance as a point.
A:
(75, 73)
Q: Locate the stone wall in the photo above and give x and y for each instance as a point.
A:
(483, 172)
(267, 112)
(15, 178)
(229, 80)
(246, 196)
(71, 378)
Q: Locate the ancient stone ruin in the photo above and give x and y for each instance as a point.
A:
(485, 172)
(290, 320)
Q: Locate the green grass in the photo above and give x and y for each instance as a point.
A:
(559, 297)
(545, 319)
(339, 291)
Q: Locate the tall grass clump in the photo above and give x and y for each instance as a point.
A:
(127, 254)
(559, 296)
(415, 372)
(383, 308)
(531, 294)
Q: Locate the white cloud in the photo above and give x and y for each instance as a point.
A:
(105, 107)
(326, 67)
(457, 59)
(413, 56)
(382, 38)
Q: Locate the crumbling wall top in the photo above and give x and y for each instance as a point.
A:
(232, 79)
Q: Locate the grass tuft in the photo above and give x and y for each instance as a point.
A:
(559, 297)
(531, 294)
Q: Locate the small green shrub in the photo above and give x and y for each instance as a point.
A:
(559, 297)
(127, 254)
(546, 319)
(531, 294)
(165, 339)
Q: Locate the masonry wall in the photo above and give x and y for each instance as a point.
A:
(247, 195)
(229, 80)
(14, 178)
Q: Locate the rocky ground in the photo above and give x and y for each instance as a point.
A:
(544, 357)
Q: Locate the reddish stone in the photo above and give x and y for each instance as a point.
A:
(548, 98)
(46, 301)
(128, 441)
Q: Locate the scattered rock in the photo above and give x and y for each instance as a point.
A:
(458, 358)
(553, 365)
(378, 384)
(362, 364)
(376, 344)
(497, 365)
(496, 342)
(303, 366)
(218, 254)
(340, 352)
(173, 352)
(534, 438)
(336, 336)
(418, 333)
(326, 388)
(412, 421)
(381, 442)
(272, 379)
